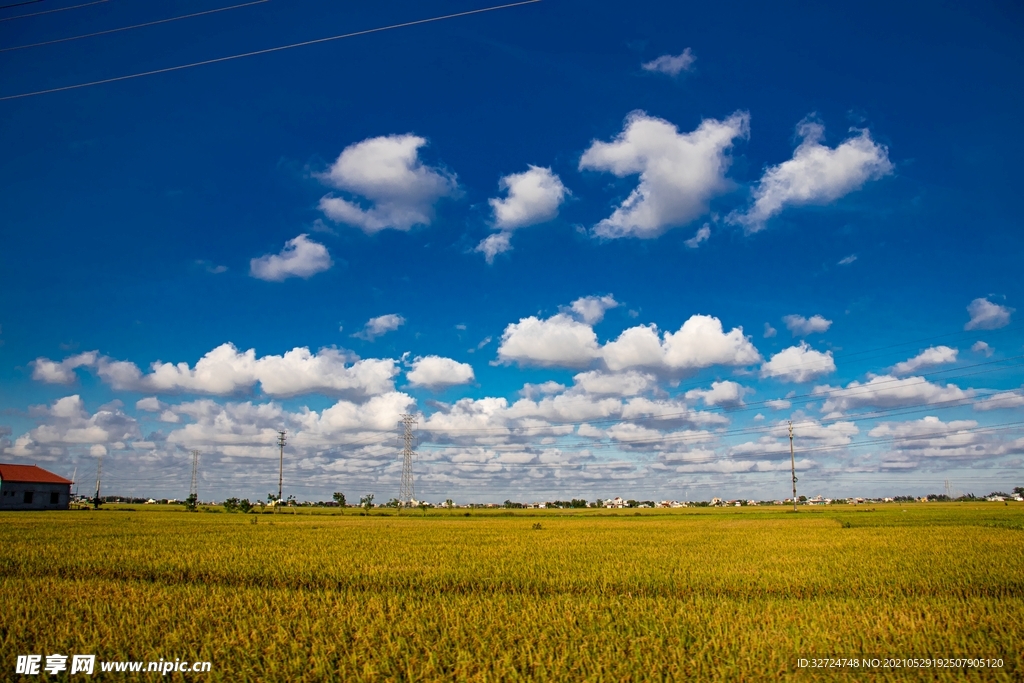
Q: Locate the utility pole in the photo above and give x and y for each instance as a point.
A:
(407, 492)
(192, 490)
(792, 463)
(280, 471)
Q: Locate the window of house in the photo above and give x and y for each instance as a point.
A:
(28, 497)
(54, 498)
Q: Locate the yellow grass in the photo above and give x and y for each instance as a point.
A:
(716, 595)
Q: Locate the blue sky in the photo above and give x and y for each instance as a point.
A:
(561, 234)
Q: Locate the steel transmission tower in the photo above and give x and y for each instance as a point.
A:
(99, 475)
(280, 471)
(792, 463)
(193, 490)
(407, 492)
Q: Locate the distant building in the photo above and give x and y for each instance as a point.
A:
(27, 487)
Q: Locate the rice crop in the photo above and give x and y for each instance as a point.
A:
(666, 595)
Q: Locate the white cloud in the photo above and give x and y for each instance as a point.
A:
(51, 372)
(591, 309)
(211, 267)
(388, 172)
(728, 393)
(618, 384)
(532, 391)
(702, 236)
(66, 424)
(930, 357)
(886, 391)
(982, 347)
(301, 257)
(986, 315)
(800, 326)
(381, 325)
(225, 370)
(533, 196)
(436, 372)
(672, 65)
(679, 173)
(557, 341)
(699, 343)
(328, 371)
(815, 175)
(150, 404)
(769, 331)
(1004, 399)
(799, 364)
(845, 261)
(495, 244)
(930, 437)
(779, 404)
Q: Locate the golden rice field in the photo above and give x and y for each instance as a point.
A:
(673, 595)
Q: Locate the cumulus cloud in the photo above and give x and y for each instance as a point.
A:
(799, 364)
(816, 174)
(435, 372)
(225, 370)
(679, 172)
(986, 315)
(63, 372)
(672, 65)
(728, 394)
(532, 197)
(800, 326)
(1004, 399)
(591, 309)
(495, 244)
(558, 341)
(379, 326)
(150, 404)
(301, 257)
(930, 437)
(66, 424)
(699, 343)
(983, 348)
(930, 357)
(618, 384)
(532, 391)
(702, 236)
(769, 331)
(388, 173)
(886, 391)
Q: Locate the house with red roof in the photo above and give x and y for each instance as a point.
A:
(28, 487)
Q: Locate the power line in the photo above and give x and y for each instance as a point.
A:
(134, 26)
(51, 11)
(267, 50)
(19, 4)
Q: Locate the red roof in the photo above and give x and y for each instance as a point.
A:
(30, 474)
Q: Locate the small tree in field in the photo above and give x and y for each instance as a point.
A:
(192, 503)
(339, 498)
(366, 502)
